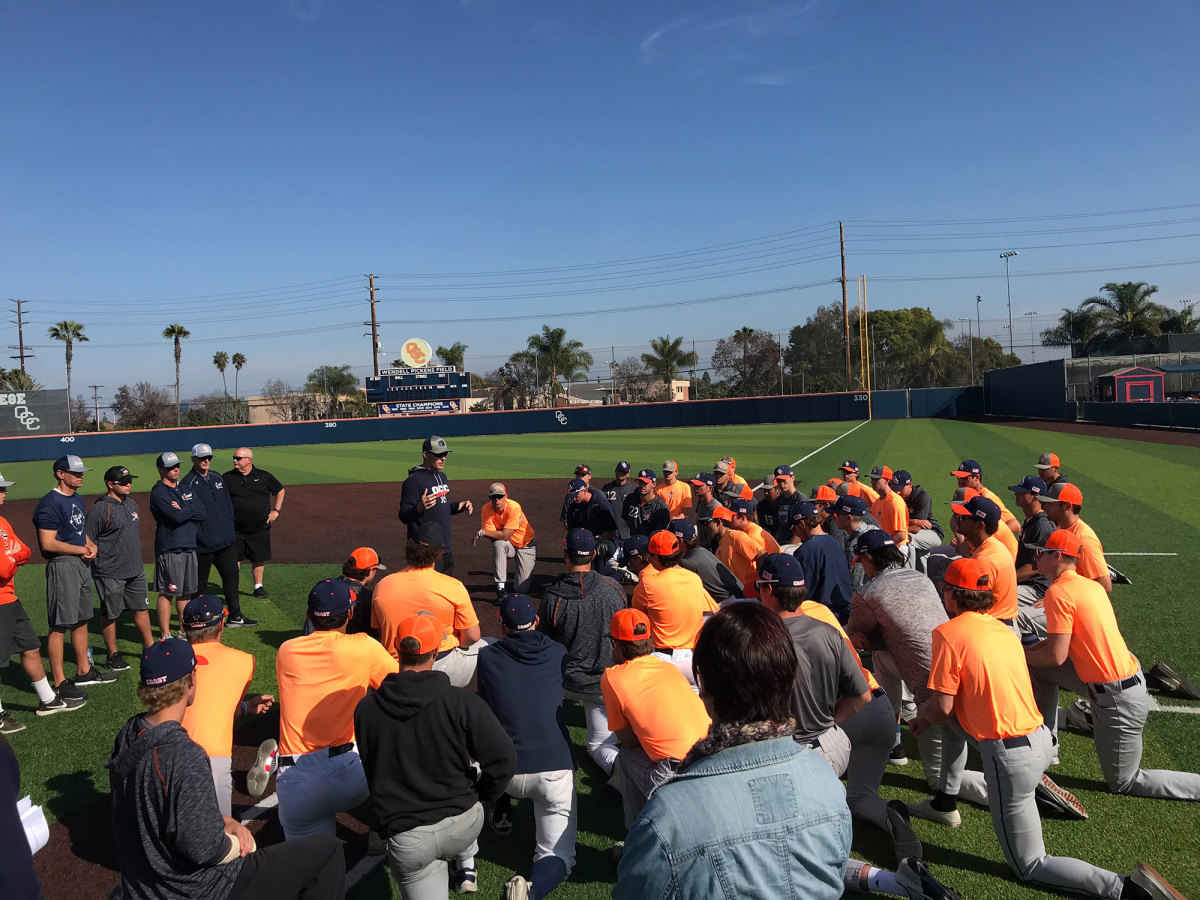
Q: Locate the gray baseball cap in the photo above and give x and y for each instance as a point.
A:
(167, 460)
(4, 483)
(200, 451)
(435, 444)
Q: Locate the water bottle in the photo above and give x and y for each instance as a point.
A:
(89, 656)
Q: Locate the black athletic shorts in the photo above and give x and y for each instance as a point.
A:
(254, 546)
(16, 634)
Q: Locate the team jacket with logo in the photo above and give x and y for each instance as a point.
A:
(176, 512)
(413, 512)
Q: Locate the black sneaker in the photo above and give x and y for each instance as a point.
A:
(905, 841)
(261, 593)
(67, 698)
(501, 595)
(8, 724)
(898, 757)
(240, 622)
(116, 662)
(94, 676)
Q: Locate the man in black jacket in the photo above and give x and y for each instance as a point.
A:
(644, 511)
(419, 738)
(425, 497)
(176, 513)
(924, 532)
(720, 583)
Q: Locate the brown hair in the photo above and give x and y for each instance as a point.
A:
(972, 601)
(202, 635)
(158, 698)
(421, 556)
(788, 597)
(635, 649)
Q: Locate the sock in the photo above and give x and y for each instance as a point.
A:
(499, 585)
(882, 881)
(944, 802)
(257, 586)
(465, 862)
(44, 691)
(1, 707)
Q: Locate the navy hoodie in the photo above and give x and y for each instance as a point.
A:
(521, 678)
(216, 532)
(414, 514)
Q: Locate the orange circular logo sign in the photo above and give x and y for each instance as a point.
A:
(416, 353)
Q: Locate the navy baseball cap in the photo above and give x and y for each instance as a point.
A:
(72, 464)
(849, 466)
(579, 540)
(901, 478)
(576, 485)
(166, 662)
(978, 507)
(742, 507)
(202, 611)
(685, 529)
(647, 475)
(430, 534)
(331, 597)
(968, 467)
(851, 506)
(782, 470)
(518, 612)
(803, 510)
(704, 478)
(782, 569)
(623, 466)
(870, 541)
(1030, 484)
(638, 545)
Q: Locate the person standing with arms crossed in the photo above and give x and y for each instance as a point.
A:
(425, 498)
(175, 514)
(257, 502)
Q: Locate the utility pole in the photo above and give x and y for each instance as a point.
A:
(96, 401)
(845, 302)
(20, 345)
(374, 326)
(781, 364)
(978, 326)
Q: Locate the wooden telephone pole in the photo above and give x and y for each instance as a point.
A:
(20, 345)
(374, 326)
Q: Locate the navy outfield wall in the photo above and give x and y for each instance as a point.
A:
(1158, 415)
(1034, 391)
(697, 413)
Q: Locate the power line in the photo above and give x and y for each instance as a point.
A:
(906, 223)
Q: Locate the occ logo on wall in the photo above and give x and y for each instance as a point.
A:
(24, 413)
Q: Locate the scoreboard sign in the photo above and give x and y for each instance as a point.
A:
(25, 413)
(424, 389)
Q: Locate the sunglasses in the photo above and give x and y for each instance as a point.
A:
(239, 458)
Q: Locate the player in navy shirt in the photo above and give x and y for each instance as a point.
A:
(425, 497)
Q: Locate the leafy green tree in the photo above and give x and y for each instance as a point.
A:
(221, 361)
(336, 384)
(1125, 309)
(667, 357)
(1182, 322)
(552, 355)
(177, 333)
(816, 351)
(141, 406)
(748, 362)
(909, 348)
(986, 354)
(216, 409)
(68, 332)
(452, 355)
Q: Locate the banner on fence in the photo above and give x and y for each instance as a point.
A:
(27, 413)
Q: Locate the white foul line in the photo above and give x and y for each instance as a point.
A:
(260, 809)
(1155, 706)
(1107, 553)
(819, 449)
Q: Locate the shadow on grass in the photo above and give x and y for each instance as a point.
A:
(276, 638)
(968, 862)
(84, 812)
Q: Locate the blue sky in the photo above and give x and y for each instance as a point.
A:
(237, 167)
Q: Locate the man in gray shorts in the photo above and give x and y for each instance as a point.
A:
(176, 513)
(114, 526)
(60, 522)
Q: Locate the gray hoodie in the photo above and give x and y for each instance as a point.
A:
(575, 611)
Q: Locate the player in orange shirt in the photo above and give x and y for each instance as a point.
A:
(222, 677)
(743, 521)
(981, 690)
(890, 508)
(504, 524)
(969, 473)
(322, 676)
(673, 492)
(674, 600)
(854, 487)
(419, 587)
(736, 550)
(1062, 504)
(651, 708)
(977, 522)
(1085, 653)
(1003, 535)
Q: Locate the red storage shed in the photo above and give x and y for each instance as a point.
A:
(1134, 384)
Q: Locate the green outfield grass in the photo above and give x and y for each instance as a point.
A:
(1137, 495)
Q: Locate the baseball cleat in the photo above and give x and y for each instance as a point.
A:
(1165, 677)
(1155, 886)
(898, 757)
(1052, 798)
(264, 767)
(517, 888)
(1079, 716)
(463, 879)
(923, 809)
(9, 724)
(904, 840)
(919, 884)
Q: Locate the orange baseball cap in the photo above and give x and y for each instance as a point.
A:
(1062, 541)
(724, 513)
(1061, 492)
(366, 558)
(732, 462)
(826, 493)
(629, 625)
(664, 543)
(967, 573)
(883, 472)
(422, 627)
(834, 482)
(1047, 461)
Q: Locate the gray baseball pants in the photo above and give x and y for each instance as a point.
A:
(1030, 620)
(929, 742)
(872, 734)
(502, 552)
(919, 545)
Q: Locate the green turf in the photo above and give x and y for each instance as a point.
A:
(62, 756)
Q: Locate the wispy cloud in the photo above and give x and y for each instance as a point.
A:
(650, 49)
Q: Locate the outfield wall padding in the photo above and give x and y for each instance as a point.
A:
(1161, 415)
(1035, 391)
(955, 402)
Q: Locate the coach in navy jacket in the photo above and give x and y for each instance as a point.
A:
(425, 497)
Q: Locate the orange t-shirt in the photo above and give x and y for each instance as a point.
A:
(512, 517)
(222, 677)
(892, 514)
(860, 489)
(1002, 571)
(13, 554)
(980, 662)
(1005, 535)
(825, 614)
(1092, 563)
(677, 496)
(737, 551)
(653, 698)
(1077, 606)
(410, 591)
(762, 538)
(674, 600)
(1005, 515)
(322, 676)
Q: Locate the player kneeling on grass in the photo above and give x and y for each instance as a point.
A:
(980, 688)
(171, 839)
(221, 683)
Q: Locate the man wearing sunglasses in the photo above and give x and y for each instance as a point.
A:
(176, 513)
(257, 503)
(425, 498)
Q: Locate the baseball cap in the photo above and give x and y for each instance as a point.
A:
(623, 466)
(901, 478)
(703, 478)
(576, 485)
(720, 467)
(202, 611)
(851, 506)
(1064, 492)
(870, 541)
(1048, 461)
(579, 540)
(1061, 540)
(430, 534)
(119, 474)
(685, 529)
(629, 625)
(724, 513)
(834, 482)
(637, 545)
(647, 475)
(731, 461)
(968, 467)
(742, 507)
(517, 612)
(782, 569)
(436, 445)
(803, 510)
(670, 466)
(1030, 484)
(824, 492)
(200, 451)
(423, 628)
(783, 470)
(978, 507)
(72, 464)
(849, 466)
(582, 469)
(366, 558)
(883, 472)
(663, 543)
(968, 573)
(167, 460)
(167, 661)
(497, 490)
(331, 597)
(5, 483)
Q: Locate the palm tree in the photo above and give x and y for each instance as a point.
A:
(1075, 326)
(221, 360)
(16, 380)
(238, 361)
(667, 358)
(68, 332)
(553, 355)
(1127, 311)
(176, 333)
(1182, 322)
(453, 355)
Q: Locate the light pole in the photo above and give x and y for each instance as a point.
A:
(1032, 338)
(970, 346)
(978, 326)
(1006, 256)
